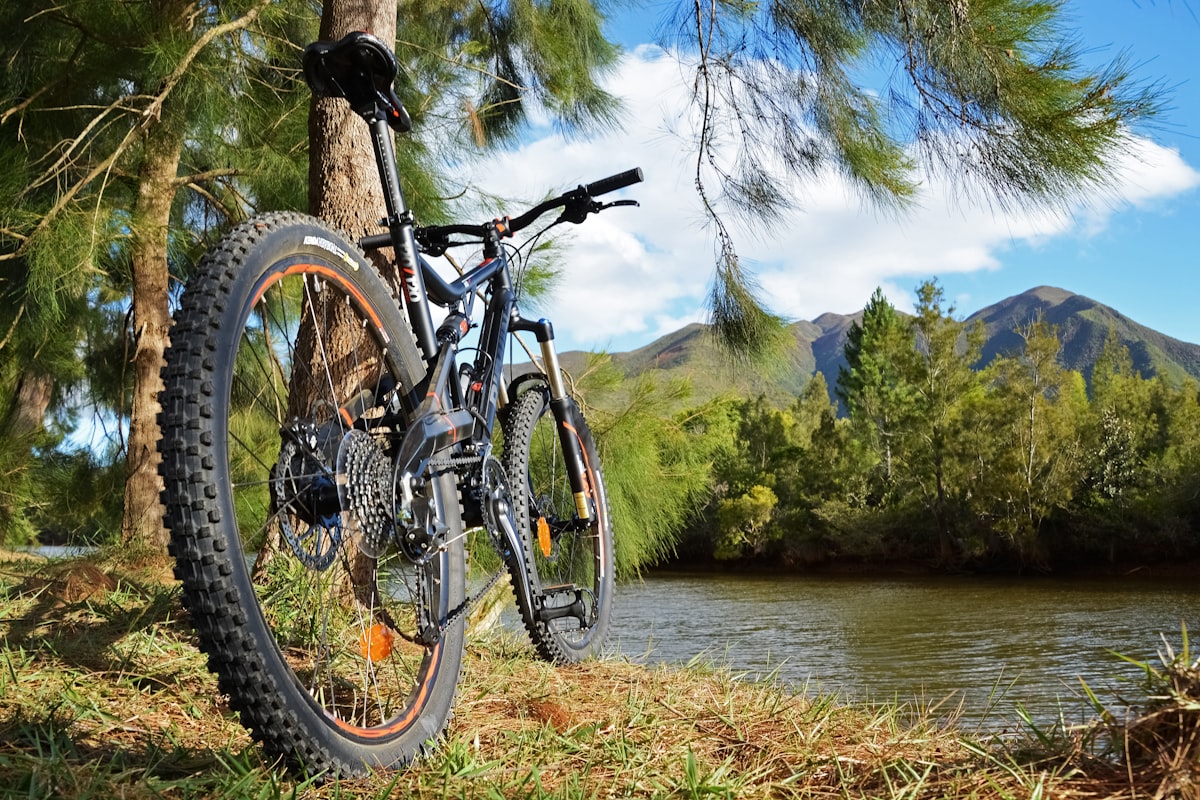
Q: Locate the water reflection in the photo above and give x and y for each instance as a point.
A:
(983, 641)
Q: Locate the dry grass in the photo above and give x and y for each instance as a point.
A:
(103, 694)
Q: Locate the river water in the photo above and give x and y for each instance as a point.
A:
(989, 644)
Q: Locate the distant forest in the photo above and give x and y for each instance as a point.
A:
(1016, 464)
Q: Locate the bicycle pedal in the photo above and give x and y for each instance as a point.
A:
(576, 608)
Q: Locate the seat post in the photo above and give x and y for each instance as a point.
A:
(399, 222)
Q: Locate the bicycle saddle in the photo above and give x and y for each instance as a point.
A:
(361, 69)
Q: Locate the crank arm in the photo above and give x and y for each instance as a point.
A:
(515, 558)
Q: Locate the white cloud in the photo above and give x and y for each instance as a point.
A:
(634, 274)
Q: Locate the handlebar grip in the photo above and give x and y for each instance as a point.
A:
(614, 182)
(375, 241)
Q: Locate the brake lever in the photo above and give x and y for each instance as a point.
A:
(578, 211)
(616, 203)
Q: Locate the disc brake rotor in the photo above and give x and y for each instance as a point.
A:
(305, 499)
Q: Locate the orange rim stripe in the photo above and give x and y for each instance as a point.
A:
(402, 722)
(328, 273)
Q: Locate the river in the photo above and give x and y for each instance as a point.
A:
(987, 643)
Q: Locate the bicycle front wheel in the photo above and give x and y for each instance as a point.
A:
(288, 384)
(570, 558)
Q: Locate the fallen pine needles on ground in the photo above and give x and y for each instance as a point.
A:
(103, 694)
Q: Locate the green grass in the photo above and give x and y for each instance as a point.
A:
(103, 694)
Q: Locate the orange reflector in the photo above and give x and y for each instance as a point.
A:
(544, 536)
(376, 642)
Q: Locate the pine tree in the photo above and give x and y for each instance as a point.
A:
(943, 380)
(113, 116)
(1124, 425)
(873, 386)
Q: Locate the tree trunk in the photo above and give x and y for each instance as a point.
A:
(19, 425)
(29, 407)
(343, 190)
(142, 526)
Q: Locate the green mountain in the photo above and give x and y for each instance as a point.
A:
(691, 353)
(1083, 326)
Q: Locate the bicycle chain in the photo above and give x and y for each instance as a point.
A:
(453, 462)
(469, 603)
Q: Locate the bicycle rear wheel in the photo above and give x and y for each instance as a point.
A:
(287, 386)
(571, 559)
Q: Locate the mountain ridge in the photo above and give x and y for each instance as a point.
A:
(691, 353)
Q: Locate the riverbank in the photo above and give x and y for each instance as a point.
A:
(1153, 570)
(103, 694)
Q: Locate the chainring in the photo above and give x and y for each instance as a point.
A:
(495, 500)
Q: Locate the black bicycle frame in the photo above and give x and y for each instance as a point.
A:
(448, 415)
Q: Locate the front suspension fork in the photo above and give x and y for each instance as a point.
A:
(574, 456)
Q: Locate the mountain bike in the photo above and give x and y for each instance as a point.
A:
(335, 464)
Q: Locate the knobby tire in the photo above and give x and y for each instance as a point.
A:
(559, 549)
(288, 381)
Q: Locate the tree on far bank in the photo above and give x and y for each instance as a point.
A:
(943, 379)
(1032, 421)
(741, 522)
(1121, 420)
(874, 387)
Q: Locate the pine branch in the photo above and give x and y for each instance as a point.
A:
(151, 114)
(12, 328)
(459, 63)
(55, 170)
(19, 107)
(207, 175)
(8, 233)
(213, 201)
(65, 199)
(154, 110)
(741, 323)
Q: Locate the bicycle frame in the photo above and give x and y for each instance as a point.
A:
(451, 415)
(304, 410)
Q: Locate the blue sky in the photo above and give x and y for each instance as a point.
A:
(634, 274)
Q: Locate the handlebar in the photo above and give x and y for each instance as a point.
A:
(576, 204)
(614, 182)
